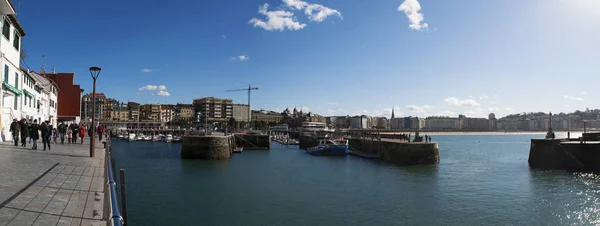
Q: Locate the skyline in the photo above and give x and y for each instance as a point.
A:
(333, 57)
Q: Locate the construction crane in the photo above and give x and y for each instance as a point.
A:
(249, 89)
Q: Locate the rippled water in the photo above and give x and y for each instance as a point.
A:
(481, 179)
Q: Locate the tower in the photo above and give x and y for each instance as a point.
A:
(392, 113)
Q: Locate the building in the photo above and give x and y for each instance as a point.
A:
(359, 122)
(120, 112)
(269, 117)
(184, 112)
(46, 98)
(477, 124)
(240, 114)
(214, 109)
(109, 105)
(29, 107)
(342, 122)
(87, 106)
(380, 123)
(69, 97)
(167, 113)
(134, 111)
(442, 123)
(493, 122)
(150, 112)
(10, 46)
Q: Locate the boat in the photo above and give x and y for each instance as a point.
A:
(169, 138)
(120, 136)
(177, 139)
(155, 138)
(330, 147)
(140, 137)
(147, 138)
(238, 150)
(131, 137)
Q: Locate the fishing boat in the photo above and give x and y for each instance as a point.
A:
(131, 137)
(330, 147)
(238, 150)
(169, 138)
(156, 138)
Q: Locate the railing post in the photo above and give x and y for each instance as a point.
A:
(106, 211)
(123, 196)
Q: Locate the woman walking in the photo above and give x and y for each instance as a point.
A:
(82, 132)
(46, 133)
(55, 135)
(70, 136)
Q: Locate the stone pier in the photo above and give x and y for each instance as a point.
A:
(207, 147)
(253, 141)
(397, 151)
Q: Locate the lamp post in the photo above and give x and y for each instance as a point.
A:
(94, 71)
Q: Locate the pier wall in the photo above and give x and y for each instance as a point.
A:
(308, 141)
(559, 154)
(399, 152)
(207, 147)
(251, 141)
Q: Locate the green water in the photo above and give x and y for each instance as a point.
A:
(480, 180)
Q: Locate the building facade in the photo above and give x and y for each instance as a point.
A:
(87, 107)
(134, 111)
(442, 123)
(213, 109)
(184, 112)
(359, 122)
(150, 112)
(12, 79)
(69, 96)
(167, 113)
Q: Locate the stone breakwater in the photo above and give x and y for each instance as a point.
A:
(207, 147)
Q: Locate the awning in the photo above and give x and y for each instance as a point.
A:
(11, 88)
(28, 93)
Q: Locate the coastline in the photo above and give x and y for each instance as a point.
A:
(498, 133)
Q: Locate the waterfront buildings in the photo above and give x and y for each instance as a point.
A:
(184, 112)
(87, 105)
(10, 45)
(46, 92)
(359, 122)
(167, 113)
(213, 109)
(119, 112)
(69, 96)
(134, 111)
(240, 115)
(150, 113)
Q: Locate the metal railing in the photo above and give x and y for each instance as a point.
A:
(112, 215)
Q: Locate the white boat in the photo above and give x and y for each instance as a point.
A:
(147, 138)
(121, 137)
(131, 137)
(140, 137)
(169, 138)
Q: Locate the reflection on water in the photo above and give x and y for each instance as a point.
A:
(481, 179)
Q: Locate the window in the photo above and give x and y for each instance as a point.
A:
(16, 102)
(6, 73)
(6, 29)
(17, 40)
(25, 100)
(17, 80)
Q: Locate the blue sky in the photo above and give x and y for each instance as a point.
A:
(331, 57)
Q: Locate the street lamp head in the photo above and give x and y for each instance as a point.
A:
(95, 71)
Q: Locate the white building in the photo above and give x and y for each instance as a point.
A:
(48, 98)
(167, 113)
(12, 79)
(360, 122)
(31, 93)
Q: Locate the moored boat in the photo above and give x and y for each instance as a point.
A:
(169, 138)
(330, 147)
(238, 150)
(131, 137)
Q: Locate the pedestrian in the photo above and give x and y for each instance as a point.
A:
(62, 130)
(34, 132)
(82, 131)
(24, 132)
(75, 130)
(100, 132)
(46, 133)
(70, 135)
(15, 128)
(55, 135)
(29, 125)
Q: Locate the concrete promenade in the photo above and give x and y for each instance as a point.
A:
(59, 187)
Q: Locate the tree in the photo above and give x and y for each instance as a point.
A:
(231, 123)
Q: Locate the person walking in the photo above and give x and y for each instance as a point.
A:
(100, 132)
(62, 130)
(15, 128)
(24, 132)
(82, 131)
(75, 130)
(70, 135)
(54, 134)
(34, 132)
(46, 133)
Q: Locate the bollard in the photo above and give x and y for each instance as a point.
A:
(123, 196)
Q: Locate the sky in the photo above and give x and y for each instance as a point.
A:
(330, 57)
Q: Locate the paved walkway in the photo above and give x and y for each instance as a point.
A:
(58, 187)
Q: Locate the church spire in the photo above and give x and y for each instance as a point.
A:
(392, 112)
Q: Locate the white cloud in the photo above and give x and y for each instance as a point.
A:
(315, 12)
(163, 93)
(148, 88)
(414, 108)
(240, 58)
(411, 8)
(162, 87)
(445, 113)
(471, 97)
(319, 13)
(278, 20)
(332, 103)
(305, 109)
(457, 102)
(573, 97)
(146, 70)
